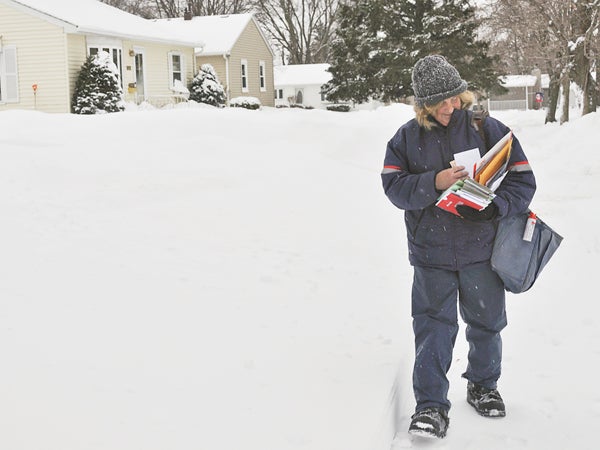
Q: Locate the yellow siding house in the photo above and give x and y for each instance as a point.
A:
(43, 44)
(238, 50)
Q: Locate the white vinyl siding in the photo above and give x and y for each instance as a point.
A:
(9, 80)
(41, 57)
(158, 70)
(76, 54)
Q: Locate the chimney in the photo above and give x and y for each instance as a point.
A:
(187, 14)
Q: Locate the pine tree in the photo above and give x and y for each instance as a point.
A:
(206, 88)
(453, 34)
(353, 68)
(97, 89)
(379, 41)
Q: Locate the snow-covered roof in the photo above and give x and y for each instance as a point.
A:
(219, 33)
(509, 81)
(94, 17)
(301, 75)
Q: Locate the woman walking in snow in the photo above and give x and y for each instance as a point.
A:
(450, 254)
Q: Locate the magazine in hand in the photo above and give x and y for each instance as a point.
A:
(477, 190)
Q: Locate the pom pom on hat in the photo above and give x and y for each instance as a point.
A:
(434, 79)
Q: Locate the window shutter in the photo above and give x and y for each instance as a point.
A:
(244, 74)
(10, 70)
(170, 60)
(182, 69)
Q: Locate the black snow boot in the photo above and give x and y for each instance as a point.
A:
(486, 402)
(429, 422)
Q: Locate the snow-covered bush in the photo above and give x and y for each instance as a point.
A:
(339, 108)
(180, 90)
(97, 89)
(245, 102)
(206, 88)
(297, 105)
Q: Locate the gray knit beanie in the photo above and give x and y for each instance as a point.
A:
(434, 79)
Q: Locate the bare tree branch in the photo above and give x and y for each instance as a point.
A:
(301, 29)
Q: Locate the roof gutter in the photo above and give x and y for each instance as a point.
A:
(133, 37)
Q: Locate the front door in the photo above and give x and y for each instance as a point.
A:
(139, 76)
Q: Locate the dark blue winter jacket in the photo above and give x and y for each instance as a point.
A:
(437, 238)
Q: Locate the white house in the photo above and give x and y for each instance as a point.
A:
(43, 44)
(236, 47)
(300, 84)
(522, 90)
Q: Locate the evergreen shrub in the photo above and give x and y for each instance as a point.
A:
(206, 88)
(245, 102)
(98, 90)
(339, 108)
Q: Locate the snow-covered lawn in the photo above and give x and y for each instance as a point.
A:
(225, 279)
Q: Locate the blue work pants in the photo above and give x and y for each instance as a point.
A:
(481, 300)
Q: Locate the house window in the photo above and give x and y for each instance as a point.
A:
(262, 70)
(116, 56)
(176, 68)
(9, 81)
(278, 94)
(244, 75)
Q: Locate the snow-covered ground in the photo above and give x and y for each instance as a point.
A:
(228, 279)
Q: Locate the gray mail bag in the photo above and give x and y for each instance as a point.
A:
(519, 262)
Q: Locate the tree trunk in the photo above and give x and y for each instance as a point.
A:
(553, 92)
(590, 93)
(565, 95)
(586, 107)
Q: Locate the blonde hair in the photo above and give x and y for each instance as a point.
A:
(423, 113)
